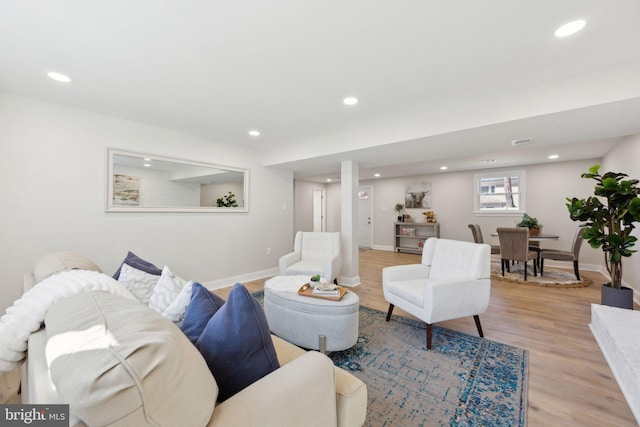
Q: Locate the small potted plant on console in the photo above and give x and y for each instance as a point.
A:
(531, 223)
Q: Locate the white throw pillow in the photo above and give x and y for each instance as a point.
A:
(138, 282)
(168, 287)
(175, 311)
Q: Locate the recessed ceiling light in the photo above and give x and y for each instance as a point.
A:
(444, 168)
(553, 156)
(59, 77)
(254, 132)
(350, 100)
(147, 159)
(328, 180)
(570, 28)
(377, 175)
(147, 165)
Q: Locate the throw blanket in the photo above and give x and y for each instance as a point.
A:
(27, 313)
(286, 283)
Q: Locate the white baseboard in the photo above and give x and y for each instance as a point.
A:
(349, 282)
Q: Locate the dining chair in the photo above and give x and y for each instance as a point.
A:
(514, 246)
(561, 255)
(477, 238)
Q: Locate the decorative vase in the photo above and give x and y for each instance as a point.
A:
(613, 297)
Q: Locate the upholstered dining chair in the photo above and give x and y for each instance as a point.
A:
(514, 246)
(313, 253)
(477, 238)
(452, 281)
(560, 255)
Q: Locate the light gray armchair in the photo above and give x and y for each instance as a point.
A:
(452, 281)
(313, 253)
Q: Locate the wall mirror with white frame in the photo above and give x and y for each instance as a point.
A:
(147, 183)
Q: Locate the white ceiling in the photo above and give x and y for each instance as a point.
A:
(439, 82)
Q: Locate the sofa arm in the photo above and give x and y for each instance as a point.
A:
(296, 394)
(288, 259)
(404, 272)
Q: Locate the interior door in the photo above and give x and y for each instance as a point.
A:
(319, 210)
(365, 217)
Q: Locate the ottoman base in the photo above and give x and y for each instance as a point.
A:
(310, 322)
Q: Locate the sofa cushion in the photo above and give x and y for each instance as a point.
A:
(236, 343)
(116, 361)
(176, 310)
(202, 306)
(136, 262)
(55, 262)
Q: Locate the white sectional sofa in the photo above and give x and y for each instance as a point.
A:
(158, 377)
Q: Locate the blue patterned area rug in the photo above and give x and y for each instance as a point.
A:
(463, 380)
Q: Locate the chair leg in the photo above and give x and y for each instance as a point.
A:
(477, 319)
(429, 334)
(535, 267)
(390, 311)
(503, 261)
(525, 271)
(542, 267)
(575, 270)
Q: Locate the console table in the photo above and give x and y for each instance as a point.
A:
(410, 236)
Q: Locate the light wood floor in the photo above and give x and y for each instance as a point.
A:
(570, 383)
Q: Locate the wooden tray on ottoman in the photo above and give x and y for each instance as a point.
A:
(307, 291)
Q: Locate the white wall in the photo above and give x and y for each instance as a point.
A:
(53, 174)
(625, 158)
(303, 210)
(548, 185)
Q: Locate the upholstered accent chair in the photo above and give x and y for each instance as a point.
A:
(563, 255)
(477, 238)
(514, 246)
(452, 281)
(313, 253)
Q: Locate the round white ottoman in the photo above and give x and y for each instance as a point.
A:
(311, 323)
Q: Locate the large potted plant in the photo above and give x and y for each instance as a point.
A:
(610, 216)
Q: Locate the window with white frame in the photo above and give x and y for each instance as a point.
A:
(499, 192)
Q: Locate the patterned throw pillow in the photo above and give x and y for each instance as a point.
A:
(168, 287)
(138, 282)
(178, 307)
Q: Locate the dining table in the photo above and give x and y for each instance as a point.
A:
(535, 238)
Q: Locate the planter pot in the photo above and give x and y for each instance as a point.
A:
(534, 231)
(621, 298)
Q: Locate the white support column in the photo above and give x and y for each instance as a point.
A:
(350, 178)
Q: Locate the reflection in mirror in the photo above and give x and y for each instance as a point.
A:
(140, 182)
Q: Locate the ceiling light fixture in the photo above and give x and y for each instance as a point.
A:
(553, 156)
(147, 165)
(328, 180)
(254, 132)
(377, 175)
(570, 28)
(59, 77)
(351, 100)
(444, 168)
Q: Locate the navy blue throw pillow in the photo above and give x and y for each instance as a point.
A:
(202, 306)
(237, 344)
(136, 262)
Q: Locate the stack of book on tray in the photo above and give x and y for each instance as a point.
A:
(326, 289)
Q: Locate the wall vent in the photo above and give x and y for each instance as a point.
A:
(519, 142)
